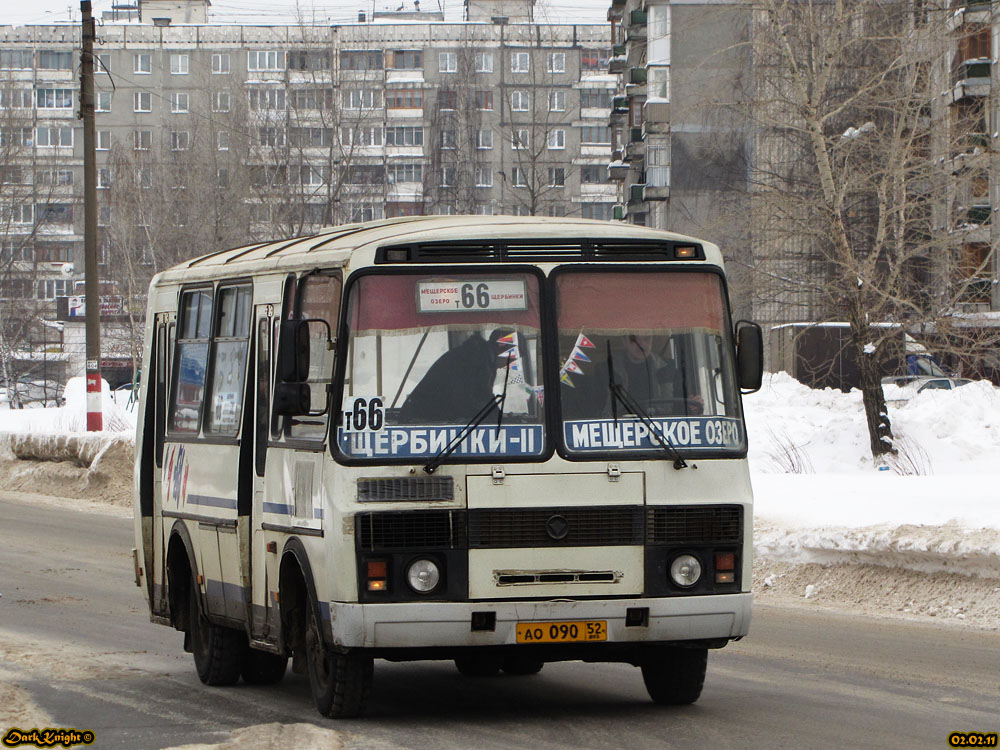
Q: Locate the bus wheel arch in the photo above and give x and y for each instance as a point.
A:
(182, 570)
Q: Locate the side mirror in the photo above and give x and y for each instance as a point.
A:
(292, 399)
(749, 356)
(293, 352)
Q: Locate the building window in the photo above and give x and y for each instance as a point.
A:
(314, 176)
(557, 101)
(54, 213)
(484, 139)
(316, 98)
(142, 64)
(15, 59)
(359, 99)
(518, 177)
(483, 100)
(103, 140)
(448, 175)
(54, 136)
(103, 178)
(179, 103)
(556, 62)
(408, 96)
(484, 62)
(222, 140)
(520, 101)
(405, 172)
(264, 60)
(595, 59)
(447, 62)
(364, 211)
(17, 99)
(556, 210)
(267, 98)
(595, 98)
(220, 63)
(179, 64)
(485, 209)
(406, 59)
(599, 211)
(22, 213)
(309, 60)
(557, 177)
(144, 178)
(180, 140)
(595, 135)
(361, 59)
(658, 162)
(142, 140)
(362, 136)
(271, 136)
(54, 177)
(222, 177)
(102, 101)
(557, 139)
(142, 101)
(52, 288)
(519, 139)
(310, 137)
(447, 100)
(448, 139)
(484, 177)
(658, 81)
(54, 98)
(404, 136)
(593, 174)
(50, 59)
(520, 62)
(220, 101)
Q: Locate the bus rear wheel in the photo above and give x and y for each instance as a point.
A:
(218, 651)
(340, 683)
(675, 676)
(478, 666)
(521, 665)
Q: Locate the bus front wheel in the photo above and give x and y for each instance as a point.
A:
(675, 676)
(340, 683)
(218, 651)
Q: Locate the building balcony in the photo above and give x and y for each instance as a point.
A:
(635, 194)
(638, 18)
(619, 50)
(974, 13)
(618, 64)
(977, 291)
(656, 193)
(971, 80)
(618, 170)
(619, 212)
(637, 76)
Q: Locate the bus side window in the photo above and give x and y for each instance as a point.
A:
(287, 312)
(318, 299)
(229, 360)
(263, 393)
(193, 338)
(158, 391)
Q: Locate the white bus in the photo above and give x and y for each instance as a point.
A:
(502, 441)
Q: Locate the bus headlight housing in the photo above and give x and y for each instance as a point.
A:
(685, 571)
(423, 575)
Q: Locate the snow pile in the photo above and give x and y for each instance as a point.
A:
(69, 418)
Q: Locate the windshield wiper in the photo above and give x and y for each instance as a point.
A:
(481, 415)
(619, 393)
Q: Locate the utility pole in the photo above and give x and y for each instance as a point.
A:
(90, 273)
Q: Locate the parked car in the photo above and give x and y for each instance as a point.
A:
(902, 388)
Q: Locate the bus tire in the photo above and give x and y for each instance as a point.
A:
(340, 683)
(478, 666)
(521, 665)
(675, 676)
(218, 651)
(263, 668)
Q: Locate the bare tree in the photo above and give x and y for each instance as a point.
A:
(845, 183)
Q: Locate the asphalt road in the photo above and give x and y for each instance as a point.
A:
(74, 633)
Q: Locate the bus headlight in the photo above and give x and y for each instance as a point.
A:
(423, 576)
(685, 571)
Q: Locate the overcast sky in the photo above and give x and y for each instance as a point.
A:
(16, 12)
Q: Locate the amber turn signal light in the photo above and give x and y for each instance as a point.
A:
(376, 571)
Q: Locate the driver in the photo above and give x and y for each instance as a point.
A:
(649, 377)
(459, 383)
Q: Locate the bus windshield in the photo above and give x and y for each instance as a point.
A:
(428, 354)
(659, 339)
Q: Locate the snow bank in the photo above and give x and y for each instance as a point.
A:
(69, 418)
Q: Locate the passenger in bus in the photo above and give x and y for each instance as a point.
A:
(458, 384)
(654, 379)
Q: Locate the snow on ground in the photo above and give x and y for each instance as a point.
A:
(830, 525)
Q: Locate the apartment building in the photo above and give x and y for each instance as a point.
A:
(680, 151)
(212, 134)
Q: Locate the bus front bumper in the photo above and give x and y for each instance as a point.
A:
(449, 624)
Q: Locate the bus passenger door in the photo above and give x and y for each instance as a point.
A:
(154, 426)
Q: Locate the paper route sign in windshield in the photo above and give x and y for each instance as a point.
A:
(702, 433)
(428, 441)
(363, 433)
